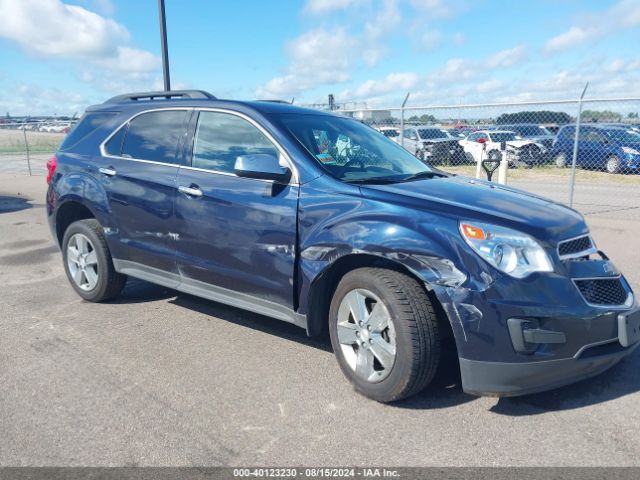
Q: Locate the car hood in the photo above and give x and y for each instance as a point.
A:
(469, 199)
(520, 143)
(440, 140)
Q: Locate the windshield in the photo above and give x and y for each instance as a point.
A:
(621, 135)
(503, 136)
(431, 133)
(389, 133)
(349, 150)
(531, 130)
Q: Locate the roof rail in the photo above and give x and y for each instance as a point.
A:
(277, 101)
(133, 97)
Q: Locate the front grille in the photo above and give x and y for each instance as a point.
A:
(575, 246)
(602, 291)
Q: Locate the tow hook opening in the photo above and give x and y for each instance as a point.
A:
(526, 335)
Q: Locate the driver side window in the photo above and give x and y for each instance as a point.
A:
(222, 137)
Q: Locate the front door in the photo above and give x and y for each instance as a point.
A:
(234, 235)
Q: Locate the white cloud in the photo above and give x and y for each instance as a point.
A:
(573, 37)
(52, 28)
(55, 30)
(507, 58)
(595, 25)
(317, 57)
(319, 7)
(391, 83)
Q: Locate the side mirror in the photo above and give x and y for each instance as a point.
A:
(262, 166)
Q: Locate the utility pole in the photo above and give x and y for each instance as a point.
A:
(163, 41)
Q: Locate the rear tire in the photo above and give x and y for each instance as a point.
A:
(560, 160)
(390, 347)
(88, 263)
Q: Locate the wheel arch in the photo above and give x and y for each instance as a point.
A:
(323, 287)
(69, 212)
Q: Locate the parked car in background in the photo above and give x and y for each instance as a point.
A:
(390, 132)
(488, 144)
(249, 204)
(551, 127)
(600, 147)
(62, 127)
(531, 131)
(433, 145)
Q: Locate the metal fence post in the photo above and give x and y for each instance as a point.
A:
(402, 119)
(572, 180)
(26, 146)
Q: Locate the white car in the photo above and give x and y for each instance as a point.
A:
(488, 145)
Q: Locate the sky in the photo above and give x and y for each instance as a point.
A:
(57, 57)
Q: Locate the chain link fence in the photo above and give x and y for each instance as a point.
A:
(549, 146)
(25, 147)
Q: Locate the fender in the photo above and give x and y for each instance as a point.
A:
(333, 228)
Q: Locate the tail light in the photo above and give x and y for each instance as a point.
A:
(52, 163)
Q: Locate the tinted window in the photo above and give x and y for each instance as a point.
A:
(154, 136)
(504, 137)
(87, 124)
(114, 145)
(432, 133)
(221, 138)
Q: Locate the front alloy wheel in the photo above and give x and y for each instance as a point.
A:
(384, 333)
(613, 164)
(366, 334)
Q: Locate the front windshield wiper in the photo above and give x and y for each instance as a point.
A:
(423, 175)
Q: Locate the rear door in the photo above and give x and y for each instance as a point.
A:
(138, 170)
(235, 235)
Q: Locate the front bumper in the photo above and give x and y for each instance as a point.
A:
(513, 379)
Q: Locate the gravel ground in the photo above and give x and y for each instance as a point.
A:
(162, 378)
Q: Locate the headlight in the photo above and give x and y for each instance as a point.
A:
(427, 146)
(512, 252)
(630, 150)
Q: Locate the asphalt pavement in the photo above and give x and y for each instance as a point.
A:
(163, 378)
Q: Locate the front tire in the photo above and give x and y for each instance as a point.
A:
(88, 263)
(613, 164)
(384, 333)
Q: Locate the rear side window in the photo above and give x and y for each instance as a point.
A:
(153, 136)
(88, 124)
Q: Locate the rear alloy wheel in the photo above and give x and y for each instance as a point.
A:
(560, 160)
(88, 262)
(613, 164)
(384, 333)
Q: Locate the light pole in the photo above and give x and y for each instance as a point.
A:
(163, 41)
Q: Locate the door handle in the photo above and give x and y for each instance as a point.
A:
(108, 171)
(192, 191)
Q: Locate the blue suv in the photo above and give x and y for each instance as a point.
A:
(600, 147)
(321, 221)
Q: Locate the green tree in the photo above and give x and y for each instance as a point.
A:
(542, 116)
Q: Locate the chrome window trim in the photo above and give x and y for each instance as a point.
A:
(103, 151)
(295, 179)
(628, 303)
(582, 253)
